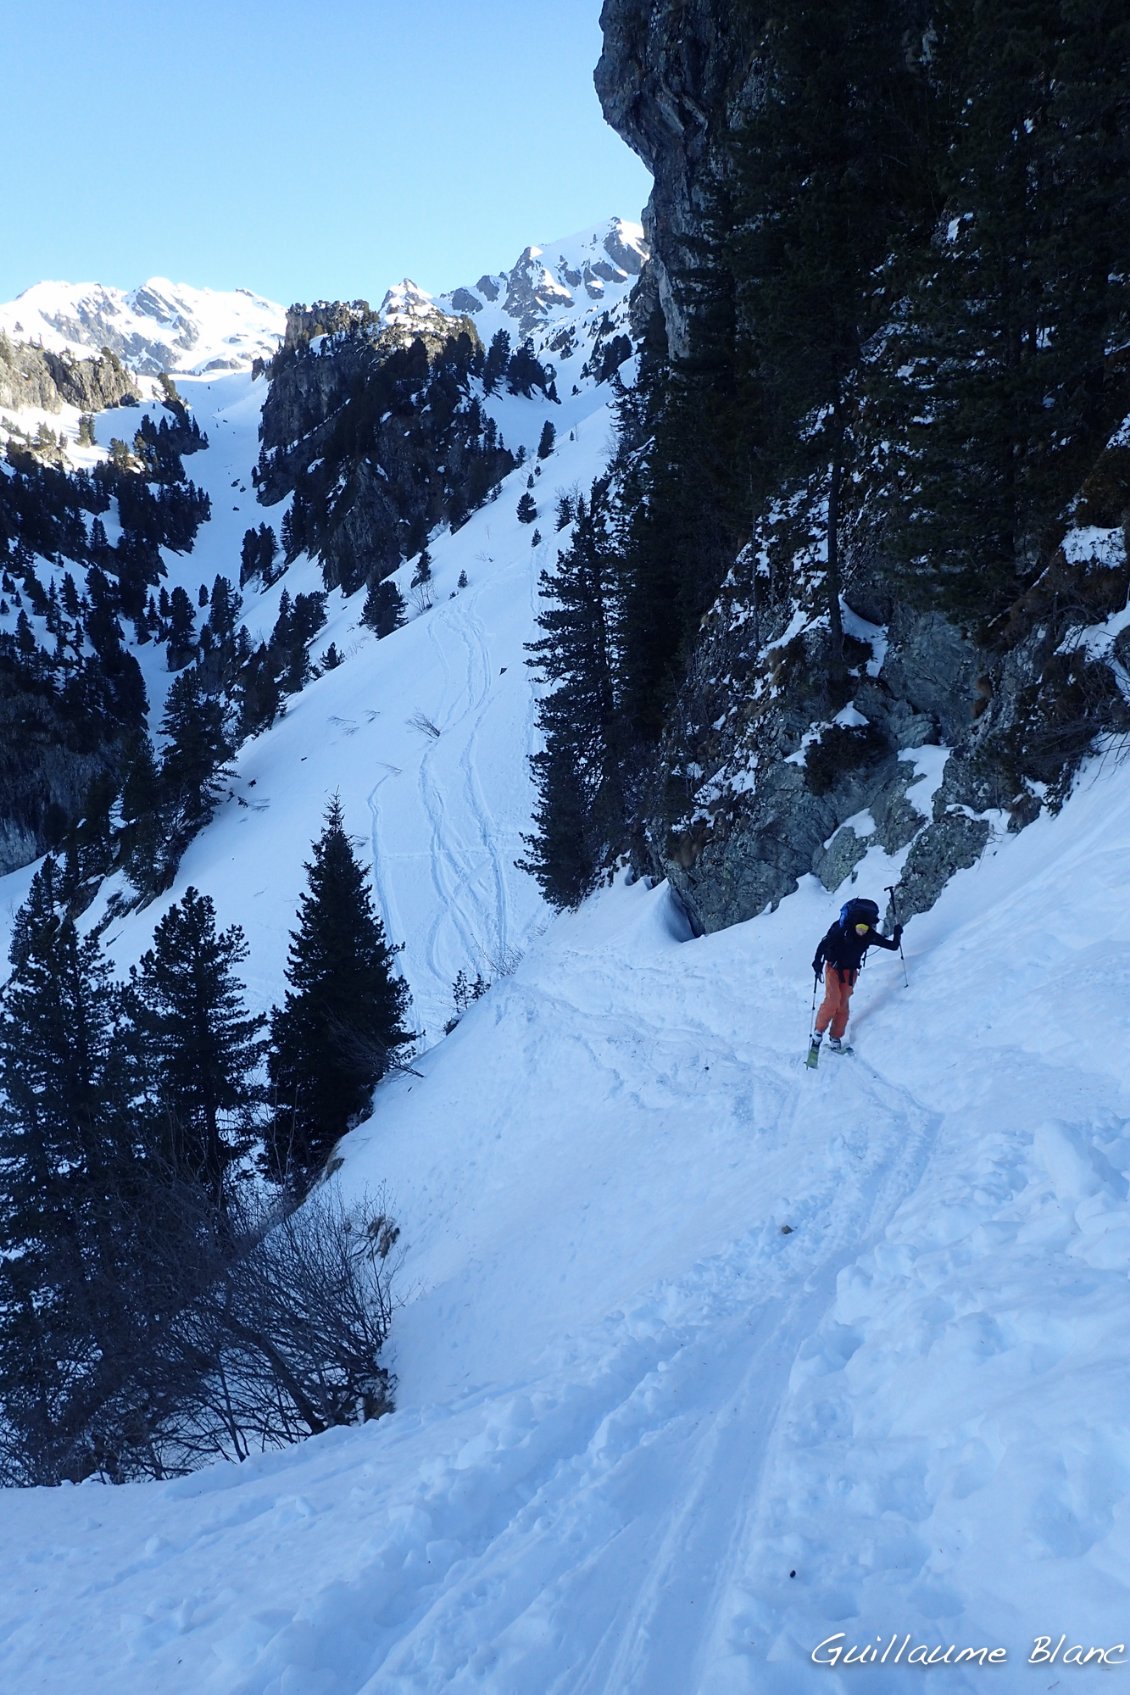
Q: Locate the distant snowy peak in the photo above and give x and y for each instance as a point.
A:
(580, 271)
(406, 313)
(161, 326)
(558, 295)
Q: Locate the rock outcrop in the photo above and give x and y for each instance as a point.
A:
(369, 421)
(777, 764)
(47, 765)
(671, 80)
(36, 377)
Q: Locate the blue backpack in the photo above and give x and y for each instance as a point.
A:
(859, 912)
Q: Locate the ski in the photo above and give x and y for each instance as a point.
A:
(813, 1059)
(844, 1049)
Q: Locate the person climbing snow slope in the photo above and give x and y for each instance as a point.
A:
(840, 955)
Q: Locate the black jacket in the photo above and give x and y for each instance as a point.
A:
(844, 950)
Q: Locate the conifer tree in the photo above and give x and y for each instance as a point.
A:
(196, 752)
(67, 1160)
(829, 175)
(343, 1017)
(258, 693)
(202, 1048)
(1005, 391)
(497, 360)
(384, 609)
(182, 629)
(143, 815)
(579, 772)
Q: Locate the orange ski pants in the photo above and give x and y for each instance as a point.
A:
(834, 1008)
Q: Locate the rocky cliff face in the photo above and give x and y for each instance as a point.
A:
(369, 420)
(380, 417)
(934, 740)
(47, 766)
(37, 377)
(671, 80)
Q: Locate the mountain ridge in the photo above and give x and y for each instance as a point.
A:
(187, 329)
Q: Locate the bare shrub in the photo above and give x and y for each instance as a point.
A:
(253, 1329)
(302, 1318)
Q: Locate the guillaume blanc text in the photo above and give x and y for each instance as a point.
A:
(899, 1650)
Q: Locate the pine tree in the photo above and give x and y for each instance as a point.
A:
(383, 607)
(342, 1020)
(224, 608)
(182, 629)
(1005, 391)
(144, 817)
(579, 772)
(829, 176)
(66, 1167)
(258, 694)
(202, 1048)
(497, 360)
(196, 752)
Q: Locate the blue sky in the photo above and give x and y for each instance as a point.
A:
(300, 149)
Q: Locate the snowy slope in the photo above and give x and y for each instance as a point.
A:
(440, 815)
(632, 1405)
(161, 326)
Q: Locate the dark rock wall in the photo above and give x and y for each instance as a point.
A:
(671, 80)
(744, 804)
(46, 770)
(381, 476)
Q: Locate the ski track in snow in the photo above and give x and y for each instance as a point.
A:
(469, 848)
(454, 866)
(625, 1488)
(694, 1380)
(491, 845)
(652, 1466)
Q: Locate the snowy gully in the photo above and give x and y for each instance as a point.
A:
(837, 1651)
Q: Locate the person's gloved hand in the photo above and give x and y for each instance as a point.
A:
(896, 934)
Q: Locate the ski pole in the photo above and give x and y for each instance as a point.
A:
(895, 912)
(812, 1014)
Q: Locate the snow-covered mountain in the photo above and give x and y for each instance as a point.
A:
(175, 327)
(555, 296)
(494, 549)
(550, 282)
(161, 326)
